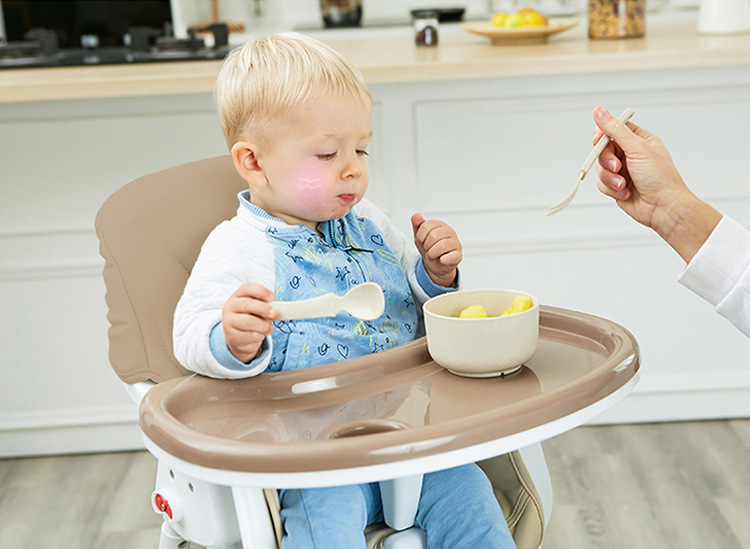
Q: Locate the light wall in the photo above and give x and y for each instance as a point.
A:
(294, 14)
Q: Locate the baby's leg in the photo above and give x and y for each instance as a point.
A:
(458, 510)
(329, 518)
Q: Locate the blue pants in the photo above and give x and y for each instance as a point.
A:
(457, 510)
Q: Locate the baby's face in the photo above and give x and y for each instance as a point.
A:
(315, 160)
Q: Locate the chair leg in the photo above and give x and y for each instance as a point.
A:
(536, 464)
(255, 525)
(170, 539)
(401, 500)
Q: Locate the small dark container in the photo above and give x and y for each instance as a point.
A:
(426, 28)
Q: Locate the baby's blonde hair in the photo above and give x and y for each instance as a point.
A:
(269, 74)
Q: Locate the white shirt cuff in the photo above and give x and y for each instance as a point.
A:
(720, 263)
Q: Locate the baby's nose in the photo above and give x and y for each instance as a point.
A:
(353, 168)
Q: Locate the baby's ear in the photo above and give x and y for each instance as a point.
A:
(246, 163)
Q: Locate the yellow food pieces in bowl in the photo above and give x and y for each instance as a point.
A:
(473, 311)
(525, 17)
(520, 303)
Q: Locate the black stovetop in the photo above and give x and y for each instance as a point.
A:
(40, 49)
(105, 56)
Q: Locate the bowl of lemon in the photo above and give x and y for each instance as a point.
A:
(523, 27)
(482, 333)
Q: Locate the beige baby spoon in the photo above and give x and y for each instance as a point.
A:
(364, 301)
(598, 148)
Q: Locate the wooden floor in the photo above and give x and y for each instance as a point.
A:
(665, 486)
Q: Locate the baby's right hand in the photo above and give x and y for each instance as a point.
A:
(246, 318)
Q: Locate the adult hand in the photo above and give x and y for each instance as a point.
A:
(246, 319)
(439, 247)
(636, 170)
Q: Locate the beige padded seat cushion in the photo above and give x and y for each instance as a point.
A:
(150, 233)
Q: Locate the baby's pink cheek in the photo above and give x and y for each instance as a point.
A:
(309, 185)
(306, 184)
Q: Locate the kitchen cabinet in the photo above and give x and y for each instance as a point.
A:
(483, 137)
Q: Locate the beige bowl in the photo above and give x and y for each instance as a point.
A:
(480, 347)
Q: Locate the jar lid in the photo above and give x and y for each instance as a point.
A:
(424, 14)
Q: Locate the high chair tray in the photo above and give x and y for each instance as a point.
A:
(392, 407)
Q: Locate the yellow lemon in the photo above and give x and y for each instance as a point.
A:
(531, 17)
(498, 20)
(473, 311)
(514, 20)
(520, 303)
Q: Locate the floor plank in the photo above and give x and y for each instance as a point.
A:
(652, 486)
(67, 501)
(680, 485)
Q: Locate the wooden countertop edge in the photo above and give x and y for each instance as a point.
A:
(389, 75)
(393, 60)
(80, 85)
(107, 81)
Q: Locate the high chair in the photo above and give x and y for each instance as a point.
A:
(225, 447)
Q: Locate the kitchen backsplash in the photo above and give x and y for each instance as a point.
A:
(305, 14)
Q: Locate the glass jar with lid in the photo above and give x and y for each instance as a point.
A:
(617, 18)
(425, 27)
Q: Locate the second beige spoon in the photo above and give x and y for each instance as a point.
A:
(593, 155)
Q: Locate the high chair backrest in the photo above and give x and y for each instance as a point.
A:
(155, 227)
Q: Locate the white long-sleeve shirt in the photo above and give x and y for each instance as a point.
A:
(720, 273)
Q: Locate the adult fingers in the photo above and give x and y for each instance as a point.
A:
(622, 193)
(619, 132)
(615, 180)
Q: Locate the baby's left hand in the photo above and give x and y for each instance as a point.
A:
(439, 247)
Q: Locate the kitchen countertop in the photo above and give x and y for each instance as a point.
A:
(390, 56)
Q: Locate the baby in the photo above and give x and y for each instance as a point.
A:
(296, 118)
